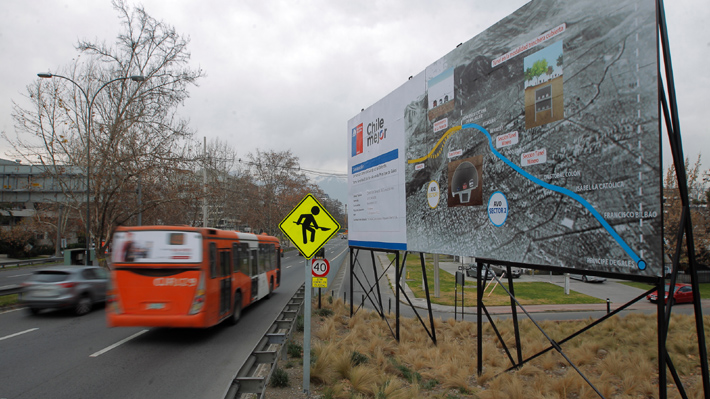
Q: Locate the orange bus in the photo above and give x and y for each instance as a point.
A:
(179, 276)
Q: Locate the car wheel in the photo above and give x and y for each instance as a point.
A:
(237, 314)
(83, 306)
(34, 311)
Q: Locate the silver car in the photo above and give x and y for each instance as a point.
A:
(65, 287)
(587, 279)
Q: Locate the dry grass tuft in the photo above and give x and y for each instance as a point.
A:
(327, 330)
(393, 388)
(321, 370)
(509, 386)
(364, 379)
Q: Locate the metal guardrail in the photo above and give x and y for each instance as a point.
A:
(10, 289)
(249, 379)
(18, 263)
(15, 288)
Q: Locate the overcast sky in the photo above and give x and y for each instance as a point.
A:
(289, 74)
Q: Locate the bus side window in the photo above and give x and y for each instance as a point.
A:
(254, 262)
(263, 258)
(235, 257)
(244, 258)
(213, 260)
(225, 264)
(272, 255)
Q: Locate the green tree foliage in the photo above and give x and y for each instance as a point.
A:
(539, 68)
(672, 208)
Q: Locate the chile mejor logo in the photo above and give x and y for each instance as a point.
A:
(357, 140)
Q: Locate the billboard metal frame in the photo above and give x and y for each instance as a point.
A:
(376, 298)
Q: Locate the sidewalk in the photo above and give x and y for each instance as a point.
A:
(452, 267)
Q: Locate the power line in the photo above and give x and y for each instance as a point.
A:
(299, 169)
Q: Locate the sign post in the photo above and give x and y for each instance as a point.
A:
(309, 226)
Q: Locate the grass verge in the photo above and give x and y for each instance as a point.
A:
(528, 293)
(9, 300)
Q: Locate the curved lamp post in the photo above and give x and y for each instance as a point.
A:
(90, 101)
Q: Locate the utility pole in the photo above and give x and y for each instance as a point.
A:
(204, 183)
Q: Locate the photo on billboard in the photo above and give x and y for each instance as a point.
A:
(555, 108)
(536, 142)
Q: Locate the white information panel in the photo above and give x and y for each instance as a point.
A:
(376, 164)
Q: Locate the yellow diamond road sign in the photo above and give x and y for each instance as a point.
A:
(309, 226)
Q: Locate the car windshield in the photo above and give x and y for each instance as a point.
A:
(668, 288)
(49, 276)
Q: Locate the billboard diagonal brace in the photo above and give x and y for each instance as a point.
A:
(500, 338)
(588, 327)
(552, 342)
(428, 299)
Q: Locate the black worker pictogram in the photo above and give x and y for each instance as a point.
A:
(308, 223)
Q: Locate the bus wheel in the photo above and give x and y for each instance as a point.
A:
(237, 314)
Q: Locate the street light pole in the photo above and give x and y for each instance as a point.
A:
(90, 102)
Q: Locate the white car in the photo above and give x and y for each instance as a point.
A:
(587, 279)
(471, 272)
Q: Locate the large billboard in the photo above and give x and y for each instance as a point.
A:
(536, 142)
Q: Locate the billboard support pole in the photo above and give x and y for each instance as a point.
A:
(377, 284)
(398, 276)
(428, 299)
(479, 317)
(514, 310)
(674, 135)
(352, 273)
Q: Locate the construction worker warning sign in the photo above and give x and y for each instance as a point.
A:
(309, 226)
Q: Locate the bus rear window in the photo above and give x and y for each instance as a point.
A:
(177, 238)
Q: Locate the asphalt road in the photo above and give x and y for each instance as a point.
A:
(59, 355)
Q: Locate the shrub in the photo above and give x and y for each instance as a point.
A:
(294, 350)
(324, 312)
(279, 379)
(299, 324)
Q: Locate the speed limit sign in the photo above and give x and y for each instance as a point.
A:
(320, 267)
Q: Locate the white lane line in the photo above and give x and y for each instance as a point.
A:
(11, 310)
(20, 275)
(19, 333)
(117, 344)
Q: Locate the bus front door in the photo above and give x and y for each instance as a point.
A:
(254, 275)
(225, 283)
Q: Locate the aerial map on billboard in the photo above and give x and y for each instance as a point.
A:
(535, 142)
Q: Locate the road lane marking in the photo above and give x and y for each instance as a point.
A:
(20, 275)
(117, 344)
(19, 333)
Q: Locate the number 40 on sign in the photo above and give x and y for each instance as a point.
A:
(320, 267)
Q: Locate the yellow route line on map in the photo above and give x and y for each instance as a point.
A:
(438, 143)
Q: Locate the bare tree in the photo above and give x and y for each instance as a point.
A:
(672, 209)
(280, 185)
(136, 136)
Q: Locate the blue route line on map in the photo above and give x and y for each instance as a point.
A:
(639, 262)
